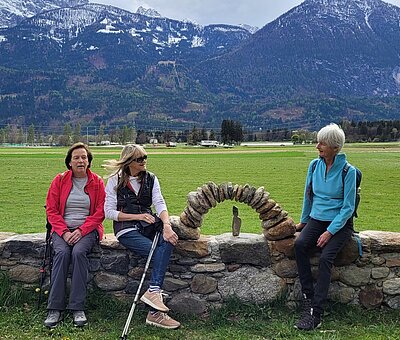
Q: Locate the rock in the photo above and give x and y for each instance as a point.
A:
(24, 273)
(380, 272)
(221, 190)
(268, 205)
(171, 284)
(286, 268)
(117, 263)
(285, 246)
(250, 284)
(348, 254)
(215, 190)
(239, 192)
(264, 199)
(203, 284)
(250, 195)
(108, 282)
(268, 224)
(229, 191)
(271, 213)
(184, 232)
(209, 195)
(382, 241)
(394, 302)
(195, 204)
(245, 249)
(194, 214)
(187, 220)
(197, 248)
(202, 199)
(257, 196)
(208, 268)
(371, 297)
(187, 304)
(282, 230)
(355, 276)
(234, 191)
(109, 241)
(245, 192)
(392, 260)
(392, 286)
(341, 293)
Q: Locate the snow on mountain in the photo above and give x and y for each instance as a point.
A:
(148, 12)
(13, 11)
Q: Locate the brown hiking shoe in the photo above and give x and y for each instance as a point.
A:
(155, 300)
(162, 320)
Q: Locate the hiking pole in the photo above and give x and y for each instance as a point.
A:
(124, 335)
(46, 260)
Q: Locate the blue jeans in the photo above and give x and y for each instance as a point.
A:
(136, 242)
(305, 245)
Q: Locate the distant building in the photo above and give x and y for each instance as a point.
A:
(170, 144)
(209, 143)
(153, 141)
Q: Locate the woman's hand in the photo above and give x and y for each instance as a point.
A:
(300, 226)
(324, 239)
(147, 218)
(72, 238)
(170, 235)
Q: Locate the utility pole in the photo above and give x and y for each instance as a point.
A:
(87, 135)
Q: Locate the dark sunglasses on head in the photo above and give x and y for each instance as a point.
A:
(140, 159)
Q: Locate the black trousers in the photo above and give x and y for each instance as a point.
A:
(305, 245)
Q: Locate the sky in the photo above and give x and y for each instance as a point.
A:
(252, 12)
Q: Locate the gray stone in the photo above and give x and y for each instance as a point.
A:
(234, 191)
(171, 284)
(24, 273)
(109, 282)
(371, 297)
(286, 268)
(245, 248)
(215, 297)
(250, 284)
(267, 206)
(250, 195)
(380, 272)
(341, 293)
(221, 190)
(280, 230)
(392, 286)
(229, 191)
(187, 304)
(117, 263)
(394, 302)
(193, 248)
(215, 190)
(239, 192)
(382, 241)
(196, 216)
(203, 284)
(392, 260)
(257, 196)
(184, 232)
(208, 268)
(245, 193)
(355, 276)
(271, 213)
(268, 224)
(264, 199)
(202, 199)
(285, 246)
(209, 195)
(195, 204)
(348, 254)
(187, 220)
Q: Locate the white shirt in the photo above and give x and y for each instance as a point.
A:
(110, 205)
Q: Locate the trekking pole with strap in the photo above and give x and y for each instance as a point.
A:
(124, 335)
(46, 262)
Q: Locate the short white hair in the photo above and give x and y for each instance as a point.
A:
(332, 135)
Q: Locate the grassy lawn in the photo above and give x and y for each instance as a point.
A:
(21, 319)
(27, 172)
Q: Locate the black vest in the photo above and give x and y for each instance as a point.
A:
(130, 202)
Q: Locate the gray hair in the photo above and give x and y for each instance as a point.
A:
(332, 135)
(121, 166)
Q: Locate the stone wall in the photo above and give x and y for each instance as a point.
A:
(205, 271)
(209, 270)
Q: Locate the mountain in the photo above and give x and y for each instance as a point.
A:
(13, 11)
(149, 12)
(95, 64)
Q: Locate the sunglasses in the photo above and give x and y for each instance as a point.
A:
(140, 159)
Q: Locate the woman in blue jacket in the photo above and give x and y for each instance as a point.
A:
(326, 221)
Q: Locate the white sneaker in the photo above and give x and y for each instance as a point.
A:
(53, 318)
(79, 318)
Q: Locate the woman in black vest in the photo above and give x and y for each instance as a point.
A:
(131, 190)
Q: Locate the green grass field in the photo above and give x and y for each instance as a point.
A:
(26, 174)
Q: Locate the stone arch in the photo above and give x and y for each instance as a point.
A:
(275, 222)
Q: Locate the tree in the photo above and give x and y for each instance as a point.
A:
(31, 135)
(77, 133)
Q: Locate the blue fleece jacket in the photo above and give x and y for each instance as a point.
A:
(331, 200)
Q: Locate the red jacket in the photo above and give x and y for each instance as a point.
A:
(57, 197)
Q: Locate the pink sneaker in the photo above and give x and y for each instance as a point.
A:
(162, 320)
(155, 300)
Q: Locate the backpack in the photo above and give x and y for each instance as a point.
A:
(344, 173)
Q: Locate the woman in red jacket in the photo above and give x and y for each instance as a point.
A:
(75, 209)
